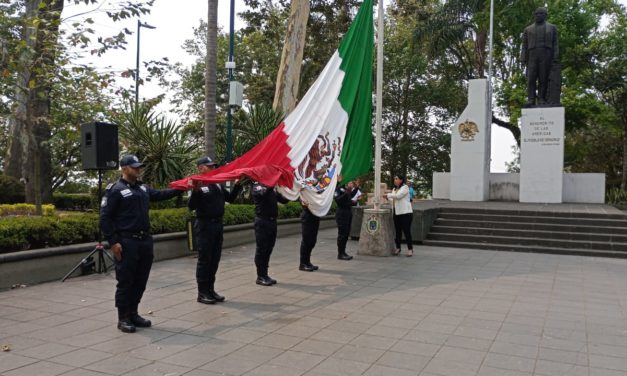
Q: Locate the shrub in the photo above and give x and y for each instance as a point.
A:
(11, 190)
(616, 196)
(24, 209)
(30, 232)
(72, 201)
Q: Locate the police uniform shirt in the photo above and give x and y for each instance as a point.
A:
(208, 201)
(265, 199)
(343, 197)
(124, 208)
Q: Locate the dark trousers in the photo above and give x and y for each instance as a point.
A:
(343, 218)
(265, 236)
(132, 273)
(309, 224)
(538, 69)
(402, 224)
(209, 234)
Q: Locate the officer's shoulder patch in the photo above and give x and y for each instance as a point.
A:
(103, 203)
(204, 189)
(109, 186)
(259, 188)
(143, 188)
(126, 192)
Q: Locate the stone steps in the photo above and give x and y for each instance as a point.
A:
(531, 231)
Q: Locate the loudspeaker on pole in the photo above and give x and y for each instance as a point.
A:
(99, 146)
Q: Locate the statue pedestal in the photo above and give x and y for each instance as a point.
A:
(376, 237)
(542, 155)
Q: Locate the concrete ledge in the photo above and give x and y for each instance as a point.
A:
(48, 264)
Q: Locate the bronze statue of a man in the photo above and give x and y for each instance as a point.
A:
(540, 52)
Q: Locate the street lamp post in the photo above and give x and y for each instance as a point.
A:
(139, 26)
(231, 65)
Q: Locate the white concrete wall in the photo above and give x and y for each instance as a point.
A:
(588, 188)
(441, 186)
(577, 188)
(470, 159)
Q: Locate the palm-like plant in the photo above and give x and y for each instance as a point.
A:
(253, 125)
(158, 143)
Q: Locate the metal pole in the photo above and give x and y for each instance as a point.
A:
(137, 66)
(379, 110)
(229, 116)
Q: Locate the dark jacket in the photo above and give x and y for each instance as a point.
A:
(208, 201)
(124, 208)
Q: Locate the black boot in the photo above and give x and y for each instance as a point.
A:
(124, 321)
(139, 321)
(306, 267)
(264, 281)
(205, 298)
(217, 297)
(344, 256)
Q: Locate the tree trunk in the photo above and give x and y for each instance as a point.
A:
(211, 79)
(623, 183)
(29, 156)
(480, 48)
(288, 76)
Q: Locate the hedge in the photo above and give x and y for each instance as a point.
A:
(24, 209)
(31, 232)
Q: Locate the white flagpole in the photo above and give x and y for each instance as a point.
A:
(489, 109)
(379, 109)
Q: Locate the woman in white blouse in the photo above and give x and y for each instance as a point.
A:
(403, 214)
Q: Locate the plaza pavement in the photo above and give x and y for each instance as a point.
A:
(442, 312)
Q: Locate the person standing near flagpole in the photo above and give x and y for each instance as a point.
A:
(310, 223)
(343, 218)
(403, 213)
(208, 201)
(266, 213)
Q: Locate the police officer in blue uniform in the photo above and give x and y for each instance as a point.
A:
(266, 212)
(343, 218)
(208, 201)
(310, 223)
(126, 226)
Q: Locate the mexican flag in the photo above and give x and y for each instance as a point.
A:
(328, 134)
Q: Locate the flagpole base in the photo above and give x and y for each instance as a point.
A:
(377, 233)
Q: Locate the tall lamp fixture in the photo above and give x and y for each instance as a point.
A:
(139, 26)
(230, 65)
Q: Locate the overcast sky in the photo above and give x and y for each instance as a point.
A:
(174, 20)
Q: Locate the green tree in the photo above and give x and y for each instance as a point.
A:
(157, 142)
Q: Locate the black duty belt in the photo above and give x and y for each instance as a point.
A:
(267, 218)
(210, 219)
(140, 235)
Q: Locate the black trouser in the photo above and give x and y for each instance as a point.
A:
(343, 218)
(132, 273)
(402, 224)
(265, 236)
(538, 69)
(309, 224)
(209, 234)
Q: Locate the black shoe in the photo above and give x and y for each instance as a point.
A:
(126, 325)
(139, 321)
(206, 299)
(306, 267)
(344, 256)
(217, 297)
(272, 280)
(264, 281)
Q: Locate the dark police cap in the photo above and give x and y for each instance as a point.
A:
(205, 161)
(131, 160)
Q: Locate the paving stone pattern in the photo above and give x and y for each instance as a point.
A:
(443, 312)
